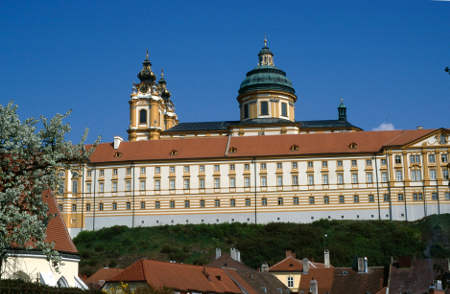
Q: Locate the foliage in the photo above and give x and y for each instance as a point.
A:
(195, 244)
(32, 152)
(21, 287)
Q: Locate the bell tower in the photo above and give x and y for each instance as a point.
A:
(151, 108)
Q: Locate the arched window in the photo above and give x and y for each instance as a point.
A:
(62, 282)
(20, 275)
(142, 116)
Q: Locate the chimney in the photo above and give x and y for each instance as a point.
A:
(360, 264)
(238, 255)
(264, 267)
(419, 127)
(305, 266)
(290, 253)
(366, 265)
(313, 286)
(326, 258)
(117, 141)
(218, 253)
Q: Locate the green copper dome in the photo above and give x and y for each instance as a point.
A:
(266, 76)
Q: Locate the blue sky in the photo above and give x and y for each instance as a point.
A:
(385, 58)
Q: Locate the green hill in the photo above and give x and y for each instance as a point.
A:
(378, 240)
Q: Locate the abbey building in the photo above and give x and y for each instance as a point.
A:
(266, 167)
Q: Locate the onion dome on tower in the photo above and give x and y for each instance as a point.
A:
(266, 92)
(146, 75)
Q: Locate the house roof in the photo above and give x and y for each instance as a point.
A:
(102, 275)
(360, 283)
(181, 277)
(292, 264)
(56, 228)
(324, 277)
(249, 146)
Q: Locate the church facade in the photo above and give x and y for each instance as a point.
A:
(266, 167)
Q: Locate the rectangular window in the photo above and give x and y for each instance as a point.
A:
(74, 207)
(75, 187)
(128, 205)
(248, 202)
(368, 162)
(263, 166)
(444, 158)
(247, 166)
(354, 178)
(279, 165)
(157, 204)
(383, 161)
(264, 201)
(355, 198)
(354, 163)
(290, 281)
(324, 164)
(280, 200)
(114, 206)
(325, 179)
(400, 197)
(369, 178)
(172, 203)
(417, 196)
(172, 184)
(114, 186)
(310, 164)
(232, 182)
(186, 168)
(416, 175)
(311, 199)
(246, 113)
(88, 207)
(101, 186)
(115, 172)
(232, 167)
(128, 171)
(371, 198)
(142, 170)
(171, 169)
(340, 178)
(398, 159)
(202, 203)
(417, 158)
(326, 199)
(89, 173)
(339, 163)
(434, 196)
(142, 204)
(100, 206)
(447, 195)
(386, 197)
(142, 185)
(310, 180)
(217, 202)
(202, 183)
(216, 168)
(295, 200)
(216, 183)
(263, 181)
(88, 188)
(294, 165)
(201, 168)
(431, 158)
(284, 109)
(384, 177)
(128, 186)
(232, 202)
(264, 108)
(157, 185)
(341, 199)
(102, 173)
(398, 175)
(279, 181)
(187, 204)
(295, 180)
(186, 183)
(246, 182)
(432, 174)
(157, 170)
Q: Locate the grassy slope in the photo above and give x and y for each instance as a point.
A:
(378, 240)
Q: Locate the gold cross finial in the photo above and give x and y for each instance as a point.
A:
(162, 73)
(342, 100)
(146, 54)
(265, 40)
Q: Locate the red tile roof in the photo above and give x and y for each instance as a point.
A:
(181, 277)
(102, 275)
(246, 146)
(323, 276)
(359, 283)
(292, 264)
(56, 228)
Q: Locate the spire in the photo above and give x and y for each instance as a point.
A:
(146, 75)
(342, 110)
(163, 86)
(265, 55)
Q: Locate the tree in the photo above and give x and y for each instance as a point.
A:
(32, 153)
